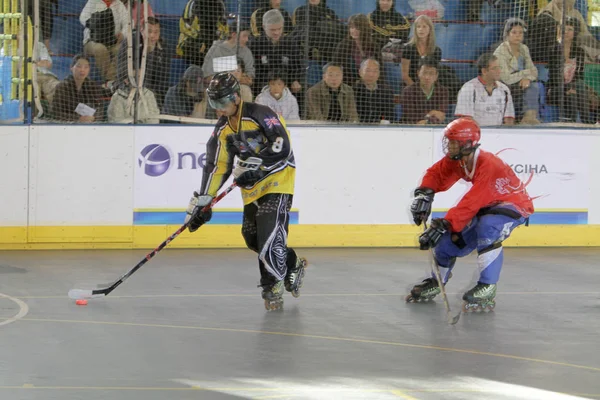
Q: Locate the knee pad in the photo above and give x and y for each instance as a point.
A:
(491, 247)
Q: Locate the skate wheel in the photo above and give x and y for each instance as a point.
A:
(273, 305)
(295, 293)
(409, 299)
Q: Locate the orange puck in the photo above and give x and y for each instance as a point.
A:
(81, 302)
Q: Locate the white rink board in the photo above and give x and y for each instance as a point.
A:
(14, 168)
(172, 188)
(84, 175)
(560, 165)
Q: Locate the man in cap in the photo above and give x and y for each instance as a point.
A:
(186, 99)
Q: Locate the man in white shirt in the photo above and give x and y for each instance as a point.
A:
(485, 99)
(103, 34)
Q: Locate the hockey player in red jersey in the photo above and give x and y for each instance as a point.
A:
(497, 203)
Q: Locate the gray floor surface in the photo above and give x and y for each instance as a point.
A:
(191, 325)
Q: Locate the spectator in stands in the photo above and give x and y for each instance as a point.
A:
(356, 47)
(241, 75)
(229, 48)
(585, 40)
(387, 23)
(158, 60)
(421, 44)
(186, 99)
(278, 97)
(202, 22)
(374, 99)
(78, 98)
(274, 51)
(46, 79)
(325, 31)
(133, 100)
(485, 99)
(331, 99)
(518, 71)
(46, 19)
(567, 75)
(256, 18)
(105, 23)
(426, 101)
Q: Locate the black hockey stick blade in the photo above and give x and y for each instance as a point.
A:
(79, 294)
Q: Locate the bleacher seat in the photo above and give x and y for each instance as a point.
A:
(392, 73)
(314, 73)
(465, 71)
(491, 36)
(455, 10)
(543, 72)
(459, 41)
(67, 35)
(178, 67)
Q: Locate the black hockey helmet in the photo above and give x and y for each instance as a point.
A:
(221, 90)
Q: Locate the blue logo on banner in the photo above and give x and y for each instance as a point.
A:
(154, 159)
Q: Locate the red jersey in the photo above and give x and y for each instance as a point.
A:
(494, 183)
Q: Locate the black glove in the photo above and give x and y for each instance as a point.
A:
(433, 234)
(421, 205)
(196, 217)
(249, 178)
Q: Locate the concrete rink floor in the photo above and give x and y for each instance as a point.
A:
(191, 325)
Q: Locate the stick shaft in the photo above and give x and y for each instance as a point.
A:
(161, 246)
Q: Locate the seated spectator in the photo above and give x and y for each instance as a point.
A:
(356, 47)
(567, 75)
(485, 99)
(241, 75)
(202, 22)
(518, 71)
(158, 60)
(426, 101)
(331, 99)
(256, 18)
(374, 99)
(324, 29)
(421, 44)
(229, 48)
(186, 99)
(105, 23)
(274, 51)
(585, 40)
(78, 98)
(278, 97)
(46, 19)
(387, 23)
(132, 100)
(46, 79)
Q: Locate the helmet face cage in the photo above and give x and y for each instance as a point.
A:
(465, 148)
(221, 103)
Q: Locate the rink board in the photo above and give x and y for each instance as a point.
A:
(128, 187)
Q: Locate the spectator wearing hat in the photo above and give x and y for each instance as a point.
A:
(229, 48)
(186, 99)
(518, 71)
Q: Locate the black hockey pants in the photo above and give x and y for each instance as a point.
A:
(265, 230)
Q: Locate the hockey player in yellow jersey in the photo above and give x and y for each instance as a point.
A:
(252, 142)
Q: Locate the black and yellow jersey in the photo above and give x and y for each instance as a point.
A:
(265, 135)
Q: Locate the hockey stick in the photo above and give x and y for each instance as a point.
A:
(77, 294)
(442, 285)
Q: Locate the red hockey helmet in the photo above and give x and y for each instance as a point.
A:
(463, 136)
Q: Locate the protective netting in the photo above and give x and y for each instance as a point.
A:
(341, 61)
